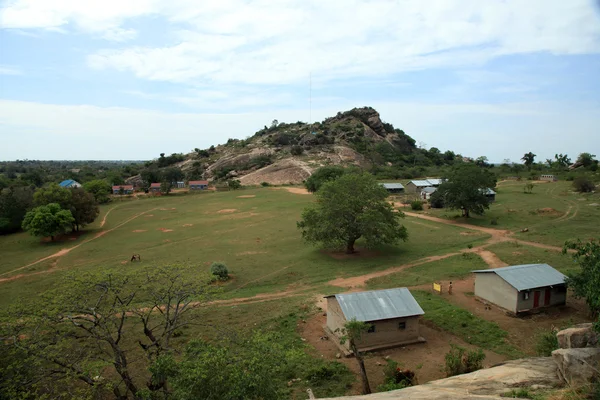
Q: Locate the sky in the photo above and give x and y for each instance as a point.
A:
(130, 79)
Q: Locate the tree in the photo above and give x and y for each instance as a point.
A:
(165, 187)
(85, 330)
(582, 184)
(353, 331)
(83, 207)
(53, 193)
(562, 160)
(234, 184)
(528, 159)
(49, 220)
(351, 207)
(14, 204)
(173, 175)
(586, 282)
(219, 270)
(100, 189)
(322, 175)
(528, 188)
(482, 162)
(464, 189)
(586, 160)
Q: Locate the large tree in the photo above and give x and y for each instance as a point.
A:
(322, 175)
(586, 160)
(14, 204)
(53, 193)
(351, 207)
(528, 159)
(465, 187)
(49, 220)
(83, 207)
(100, 189)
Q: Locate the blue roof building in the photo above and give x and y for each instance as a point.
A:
(70, 183)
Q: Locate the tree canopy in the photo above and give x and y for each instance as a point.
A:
(586, 282)
(322, 175)
(49, 220)
(528, 159)
(53, 193)
(351, 207)
(100, 189)
(14, 203)
(83, 207)
(464, 189)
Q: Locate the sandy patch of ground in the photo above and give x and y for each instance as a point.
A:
(294, 190)
(227, 211)
(548, 211)
(149, 215)
(139, 230)
(167, 209)
(249, 253)
(187, 225)
(165, 230)
(468, 233)
(246, 196)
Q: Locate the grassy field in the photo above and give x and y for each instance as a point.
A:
(514, 253)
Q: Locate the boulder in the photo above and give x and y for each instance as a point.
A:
(577, 337)
(577, 366)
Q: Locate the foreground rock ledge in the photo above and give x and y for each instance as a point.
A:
(536, 373)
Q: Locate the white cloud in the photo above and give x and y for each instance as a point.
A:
(7, 70)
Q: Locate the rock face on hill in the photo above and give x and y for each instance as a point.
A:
(288, 153)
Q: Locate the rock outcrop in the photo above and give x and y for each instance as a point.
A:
(577, 337)
(577, 366)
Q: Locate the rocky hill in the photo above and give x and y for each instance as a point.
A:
(289, 152)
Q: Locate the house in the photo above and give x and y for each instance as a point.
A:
(178, 185)
(393, 187)
(490, 194)
(393, 315)
(417, 185)
(154, 188)
(521, 288)
(198, 185)
(427, 192)
(70, 183)
(548, 178)
(127, 189)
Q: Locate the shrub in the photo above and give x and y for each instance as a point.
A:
(326, 372)
(234, 184)
(460, 361)
(521, 393)
(396, 377)
(219, 270)
(547, 342)
(416, 205)
(583, 185)
(297, 150)
(265, 184)
(494, 221)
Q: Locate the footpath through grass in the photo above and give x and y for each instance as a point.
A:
(459, 322)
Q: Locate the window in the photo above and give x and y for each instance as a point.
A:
(371, 329)
(525, 295)
(401, 325)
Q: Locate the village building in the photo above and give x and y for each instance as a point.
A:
(427, 192)
(69, 184)
(154, 187)
(393, 188)
(521, 288)
(417, 186)
(178, 185)
(490, 194)
(127, 189)
(392, 313)
(198, 185)
(548, 178)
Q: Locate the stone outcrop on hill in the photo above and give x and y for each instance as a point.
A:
(578, 359)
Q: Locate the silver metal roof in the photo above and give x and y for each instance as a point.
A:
(528, 276)
(435, 181)
(420, 183)
(376, 305)
(429, 189)
(393, 185)
(427, 182)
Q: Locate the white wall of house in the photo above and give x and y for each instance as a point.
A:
(489, 286)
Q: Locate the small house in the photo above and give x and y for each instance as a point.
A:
(521, 288)
(154, 187)
(393, 188)
(127, 189)
(427, 192)
(417, 186)
(392, 313)
(178, 184)
(490, 194)
(198, 185)
(69, 184)
(548, 178)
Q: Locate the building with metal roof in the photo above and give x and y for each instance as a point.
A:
(417, 185)
(69, 183)
(393, 187)
(521, 288)
(393, 315)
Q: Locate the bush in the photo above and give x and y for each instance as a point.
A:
(583, 185)
(416, 205)
(219, 270)
(324, 373)
(265, 184)
(396, 377)
(494, 221)
(547, 342)
(460, 361)
(297, 150)
(521, 393)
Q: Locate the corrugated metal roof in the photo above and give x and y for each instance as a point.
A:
(429, 189)
(393, 185)
(427, 182)
(420, 183)
(67, 183)
(435, 181)
(528, 276)
(376, 305)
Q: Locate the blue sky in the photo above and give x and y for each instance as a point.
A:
(131, 79)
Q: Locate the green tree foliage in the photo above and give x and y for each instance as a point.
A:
(169, 160)
(583, 184)
(296, 150)
(53, 193)
(460, 361)
(84, 207)
(562, 160)
(151, 175)
(351, 207)
(219, 270)
(464, 189)
(528, 188)
(352, 333)
(586, 160)
(416, 205)
(100, 189)
(547, 342)
(234, 184)
(14, 204)
(528, 159)
(165, 187)
(322, 175)
(49, 220)
(586, 282)
(85, 330)
(173, 175)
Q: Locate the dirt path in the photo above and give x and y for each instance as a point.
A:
(66, 251)
(106, 215)
(491, 259)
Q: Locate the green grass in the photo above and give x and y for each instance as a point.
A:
(455, 267)
(514, 253)
(516, 210)
(259, 243)
(461, 323)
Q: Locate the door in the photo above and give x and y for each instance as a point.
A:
(547, 295)
(536, 299)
